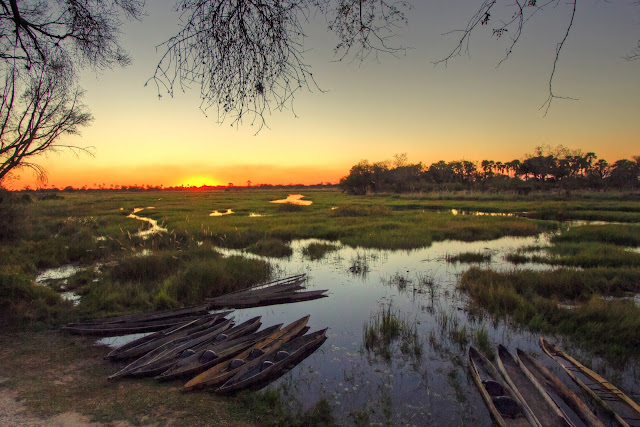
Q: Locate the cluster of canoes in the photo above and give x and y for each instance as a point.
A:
(523, 392)
(281, 291)
(214, 352)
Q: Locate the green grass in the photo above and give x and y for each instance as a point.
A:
(611, 328)
(316, 251)
(271, 247)
(615, 234)
(469, 257)
(385, 329)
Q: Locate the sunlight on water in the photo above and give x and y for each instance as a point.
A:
(294, 199)
(218, 213)
(155, 228)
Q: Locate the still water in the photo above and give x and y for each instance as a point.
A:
(433, 388)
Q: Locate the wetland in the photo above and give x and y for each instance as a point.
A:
(412, 283)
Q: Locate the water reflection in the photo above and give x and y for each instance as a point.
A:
(155, 228)
(478, 213)
(218, 213)
(403, 388)
(294, 199)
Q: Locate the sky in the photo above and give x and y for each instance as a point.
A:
(470, 109)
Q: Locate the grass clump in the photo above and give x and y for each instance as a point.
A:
(615, 234)
(611, 328)
(317, 251)
(360, 211)
(386, 328)
(469, 257)
(590, 255)
(271, 247)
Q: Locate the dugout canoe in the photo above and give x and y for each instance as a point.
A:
(180, 343)
(503, 403)
(273, 364)
(213, 354)
(622, 407)
(269, 299)
(527, 388)
(552, 384)
(170, 356)
(145, 344)
(146, 317)
(220, 373)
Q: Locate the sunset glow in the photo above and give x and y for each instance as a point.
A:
(469, 110)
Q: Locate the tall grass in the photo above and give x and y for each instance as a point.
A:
(385, 328)
(531, 299)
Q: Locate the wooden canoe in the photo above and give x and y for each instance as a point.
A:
(170, 357)
(622, 407)
(271, 365)
(483, 370)
(530, 391)
(177, 343)
(146, 317)
(202, 359)
(552, 384)
(143, 345)
(220, 373)
(271, 299)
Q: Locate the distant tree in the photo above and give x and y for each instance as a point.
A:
(625, 173)
(359, 181)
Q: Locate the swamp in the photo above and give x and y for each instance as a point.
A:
(413, 280)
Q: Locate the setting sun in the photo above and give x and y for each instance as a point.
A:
(199, 181)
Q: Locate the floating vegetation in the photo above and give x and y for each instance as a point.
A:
(386, 329)
(469, 257)
(399, 281)
(316, 251)
(359, 265)
(271, 247)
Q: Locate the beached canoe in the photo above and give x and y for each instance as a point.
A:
(145, 344)
(553, 385)
(622, 407)
(505, 406)
(170, 357)
(270, 299)
(272, 365)
(214, 353)
(527, 388)
(220, 373)
(147, 317)
(180, 343)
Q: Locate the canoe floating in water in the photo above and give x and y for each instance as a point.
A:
(220, 373)
(281, 291)
(527, 388)
(505, 406)
(552, 384)
(273, 364)
(621, 406)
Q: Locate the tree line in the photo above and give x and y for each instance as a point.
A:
(545, 169)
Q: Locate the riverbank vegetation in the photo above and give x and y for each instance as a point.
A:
(593, 303)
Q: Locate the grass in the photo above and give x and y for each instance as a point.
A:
(531, 299)
(386, 328)
(469, 257)
(317, 251)
(271, 247)
(615, 234)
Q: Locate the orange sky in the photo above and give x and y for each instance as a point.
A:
(469, 110)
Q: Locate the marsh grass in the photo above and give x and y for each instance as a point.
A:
(615, 234)
(531, 299)
(317, 251)
(385, 329)
(271, 247)
(468, 257)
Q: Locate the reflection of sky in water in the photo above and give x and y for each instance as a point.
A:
(433, 389)
(155, 228)
(294, 199)
(218, 213)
